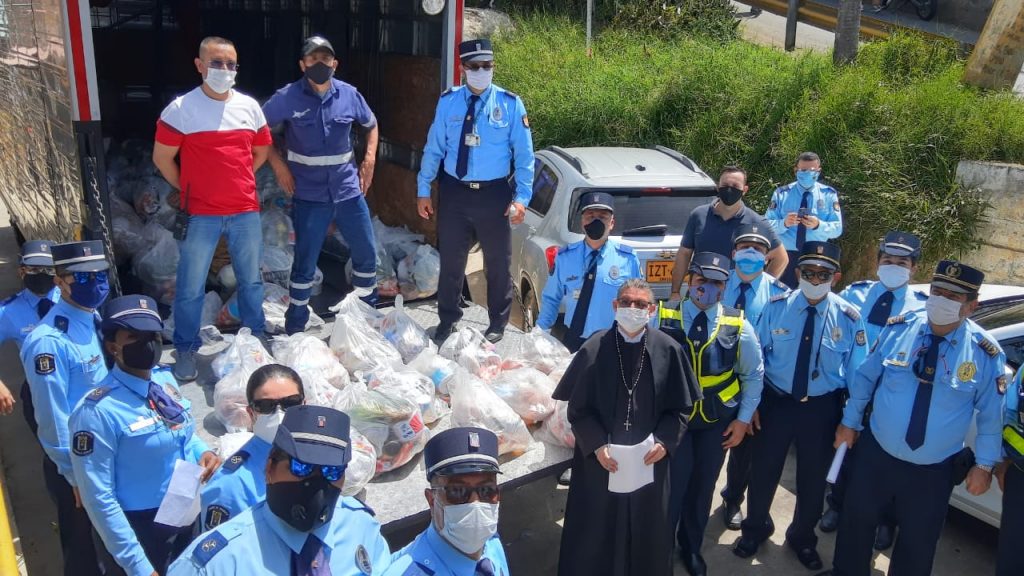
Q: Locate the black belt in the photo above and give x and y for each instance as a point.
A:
(476, 185)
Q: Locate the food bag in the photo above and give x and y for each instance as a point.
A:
(408, 337)
(527, 391)
(475, 404)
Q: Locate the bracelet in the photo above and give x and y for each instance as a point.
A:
(984, 467)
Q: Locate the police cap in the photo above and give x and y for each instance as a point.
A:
(86, 256)
(314, 43)
(315, 435)
(953, 275)
(134, 312)
(711, 266)
(824, 254)
(898, 243)
(461, 451)
(476, 51)
(597, 201)
(36, 253)
(757, 233)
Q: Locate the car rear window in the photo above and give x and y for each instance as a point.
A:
(999, 313)
(647, 211)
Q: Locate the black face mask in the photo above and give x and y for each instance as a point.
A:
(40, 283)
(595, 230)
(319, 73)
(305, 505)
(729, 195)
(142, 354)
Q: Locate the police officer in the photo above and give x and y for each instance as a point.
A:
(1010, 472)
(749, 289)
(242, 481)
(304, 526)
(726, 357)
(461, 540)
(318, 112)
(126, 437)
(479, 130)
(587, 274)
(804, 210)
(928, 374)
(20, 313)
(813, 342)
(63, 361)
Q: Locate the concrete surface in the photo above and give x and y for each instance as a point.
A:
(1001, 253)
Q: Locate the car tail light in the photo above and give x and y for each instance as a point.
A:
(550, 253)
(657, 191)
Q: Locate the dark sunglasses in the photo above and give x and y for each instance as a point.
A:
(634, 303)
(223, 65)
(474, 66)
(302, 470)
(458, 494)
(268, 405)
(809, 275)
(85, 277)
(39, 270)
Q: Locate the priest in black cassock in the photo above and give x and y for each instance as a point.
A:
(624, 384)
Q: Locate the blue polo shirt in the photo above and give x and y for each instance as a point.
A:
(318, 132)
(706, 231)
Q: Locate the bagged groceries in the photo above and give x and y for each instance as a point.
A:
(276, 266)
(158, 269)
(439, 369)
(278, 230)
(231, 442)
(305, 353)
(411, 385)
(556, 429)
(357, 307)
(539, 350)
(398, 241)
(246, 349)
(317, 390)
(527, 391)
(475, 404)
(363, 465)
(408, 337)
(229, 401)
(275, 304)
(357, 345)
(469, 349)
(418, 273)
(393, 425)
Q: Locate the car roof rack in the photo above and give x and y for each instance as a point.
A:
(677, 157)
(573, 160)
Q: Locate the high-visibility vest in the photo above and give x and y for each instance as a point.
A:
(1013, 433)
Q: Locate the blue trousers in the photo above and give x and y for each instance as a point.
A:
(737, 472)
(696, 464)
(1010, 560)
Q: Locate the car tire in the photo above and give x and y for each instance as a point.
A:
(531, 308)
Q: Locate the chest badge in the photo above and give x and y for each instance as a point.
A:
(821, 203)
(363, 560)
(966, 371)
(298, 114)
(496, 114)
(837, 334)
(613, 272)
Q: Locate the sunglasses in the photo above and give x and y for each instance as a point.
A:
(809, 275)
(300, 469)
(634, 303)
(39, 270)
(459, 494)
(86, 277)
(474, 66)
(223, 65)
(268, 405)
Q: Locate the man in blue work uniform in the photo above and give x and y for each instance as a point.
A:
(127, 435)
(749, 289)
(726, 357)
(318, 112)
(479, 130)
(928, 374)
(63, 361)
(588, 274)
(877, 302)
(20, 313)
(242, 481)
(813, 342)
(804, 210)
(461, 540)
(304, 526)
(1010, 473)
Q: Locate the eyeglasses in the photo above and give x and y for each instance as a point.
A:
(302, 470)
(223, 65)
(634, 303)
(85, 277)
(474, 66)
(823, 275)
(459, 494)
(268, 405)
(39, 270)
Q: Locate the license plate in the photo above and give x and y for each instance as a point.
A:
(660, 270)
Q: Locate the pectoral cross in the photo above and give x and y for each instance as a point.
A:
(627, 424)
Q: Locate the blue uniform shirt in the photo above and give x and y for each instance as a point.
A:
(824, 204)
(431, 555)
(63, 361)
(123, 457)
(1013, 416)
(258, 543)
(838, 346)
(238, 484)
(615, 263)
(967, 378)
(749, 362)
(19, 314)
(762, 288)
(318, 136)
(505, 140)
(864, 294)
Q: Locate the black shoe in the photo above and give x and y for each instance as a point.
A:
(884, 535)
(566, 477)
(494, 335)
(808, 556)
(695, 564)
(732, 515)
(745, 547)
(829, 520)
(442, 332)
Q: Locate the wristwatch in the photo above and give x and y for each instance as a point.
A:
(984, 467)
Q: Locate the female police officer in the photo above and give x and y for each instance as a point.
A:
(127, 435)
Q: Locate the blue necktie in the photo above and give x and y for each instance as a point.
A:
(462, 162)
(924, 369)
(312, 561)
(43, 307)
(579, 315)
(801, 230)
(484, 568)
(165, 406)
(699, 330)
(803, 356)
(882, 309)
(741, 300)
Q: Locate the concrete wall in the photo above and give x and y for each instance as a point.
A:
(1001, 255)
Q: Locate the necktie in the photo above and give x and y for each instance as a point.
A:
(741, 300)
(699, 330)
(462, 162)
(165, 406)
(882, 309)
(579, 315)
(312, 561)
(484, 568)
(43, 307)
(801, 230)
(924, 369)
(803, 356)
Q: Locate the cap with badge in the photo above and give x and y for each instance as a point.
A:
(824, 254)
(37, 253)
(461, 451)
(476, 51)
(314, 43)
(957, 277)
(86, 256)
(315, 435)
(898, 243)
(597, 201)
(710, 265)
(134, 312)
(757, 233)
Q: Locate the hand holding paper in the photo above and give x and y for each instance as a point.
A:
(632, 474)
(180, 505)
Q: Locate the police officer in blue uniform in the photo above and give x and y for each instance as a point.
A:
(749, 289)
(461, 540)
(803, 211)
(813, 342)
(1010, 472)
(319, 112)
(20, 313)
(126, 436)
(304, 526)
(242, 480)
(479, 130)
(723, 350)
(928, 375)
(587, 274)
(63, 361)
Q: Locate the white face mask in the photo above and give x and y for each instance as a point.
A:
(479, 79)
(265, 427)
(893, 276)
(814, 291)
(632, 319)
(220, 81)
(468, 526)
(942, 311)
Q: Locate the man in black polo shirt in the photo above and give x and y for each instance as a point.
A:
(711, 228)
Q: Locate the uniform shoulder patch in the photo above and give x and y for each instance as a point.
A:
(208, 547)
(778, 297)
(215, 516)
(1001, 384)
(353, 503)
(235, 461)
(61, 323)
(82, 443)
(363, 560)
(45, 364)
(990, 347)
(901, 319)
(98, 394)
(851, 312)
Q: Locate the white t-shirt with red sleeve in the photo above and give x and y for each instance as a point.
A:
(215, 140)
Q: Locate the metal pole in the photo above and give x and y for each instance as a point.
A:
(590, 20)
(791, 11)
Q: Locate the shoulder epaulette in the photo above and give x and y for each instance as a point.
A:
(353, 503)
(8, 300)
(921, 295)
(862, 283)
(901, 319)
(778, 297)
(731, 312)
(235, 461)
(208, 547)
(512, 94)
(990, 347)
(851, 312)
(623, 248)
(780, 285)
(98, 394)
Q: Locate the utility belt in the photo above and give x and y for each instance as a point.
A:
(719, 403)
(475, 185)
(332, 160)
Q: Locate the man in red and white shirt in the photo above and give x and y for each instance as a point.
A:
(221, 138)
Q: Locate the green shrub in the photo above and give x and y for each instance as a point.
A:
(714, 19)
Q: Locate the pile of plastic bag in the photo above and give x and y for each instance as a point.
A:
(469, 349)
(475, 404)
(357, 344)
(403, 332)
(233, 368)
(527, 391)
(275, 304)
(406, 265)
(305, 353)
(540, 350)
(363, 465)
(392, 424)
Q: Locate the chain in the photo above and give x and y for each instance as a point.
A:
(528, 321)
(101, 217)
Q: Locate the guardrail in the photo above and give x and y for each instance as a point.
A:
(825, 16)
(8, 557)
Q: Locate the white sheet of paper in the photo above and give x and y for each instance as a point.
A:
(180, 505)
(632, 473)
(837, 463)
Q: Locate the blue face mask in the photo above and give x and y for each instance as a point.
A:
(807, 178)
(704, 295)
(91, 293)
(749, 261)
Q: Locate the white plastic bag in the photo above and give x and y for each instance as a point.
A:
(317, 390)
(275, 305)
(245, 350)
(537, 349)
(556, 429)
(439, 369)
(408, 337)
(208, 317)
(398, 241)
(305, 353)
(231, 442)
(158, 269)
(393, 425)
(277, 228)
(410, 385)
(527, 391)
(357, 345)
(229, 401)
(363, 465)
(475, 404)
(350, 305)
(469, 349)
(276, 267)
(427, 268)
